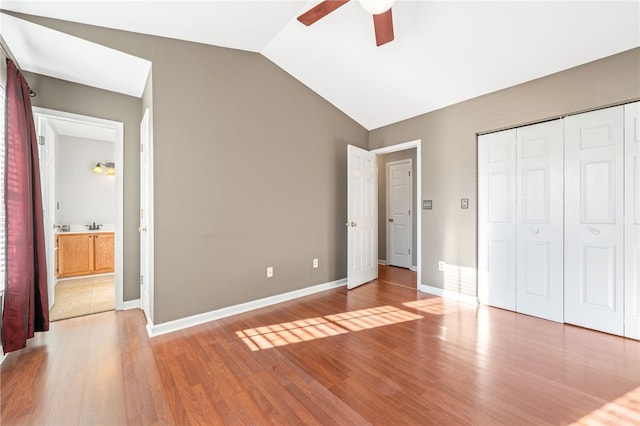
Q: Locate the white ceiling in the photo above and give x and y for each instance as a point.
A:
(444, 51)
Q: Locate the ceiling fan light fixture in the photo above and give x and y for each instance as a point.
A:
(376, 7)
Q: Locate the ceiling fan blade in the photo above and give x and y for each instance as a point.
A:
(320, 11)
(383, 25)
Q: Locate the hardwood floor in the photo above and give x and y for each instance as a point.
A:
(378, 354)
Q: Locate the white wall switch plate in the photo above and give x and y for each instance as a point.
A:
(441, 265)
(315, 263)
(270, 272)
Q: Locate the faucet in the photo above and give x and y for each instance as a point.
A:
(93, 227)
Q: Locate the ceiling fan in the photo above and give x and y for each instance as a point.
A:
(380, 9)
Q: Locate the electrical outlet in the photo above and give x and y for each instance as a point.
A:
(427, 204)
(464, 203)
(315, 263)
(270, 272)
(441, 265)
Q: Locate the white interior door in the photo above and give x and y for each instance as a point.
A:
(540, 216)
(497, 219)
(362, 217)
(632, 220)
(145, 213)
(594, 231)
(46, 152)
(399, 202)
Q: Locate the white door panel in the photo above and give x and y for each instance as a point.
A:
(539, 160)
(399, 235)
(145, 218)
(496, 219)
(594, 227)
(362, 216)
(632, 220)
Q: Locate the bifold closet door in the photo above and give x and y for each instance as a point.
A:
(540, 215)
(497, 219)
(632, 220)
(594, 228)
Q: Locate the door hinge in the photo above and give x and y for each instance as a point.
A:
(409, 251)
(409, 172)
(409, 213)
(141, 147)
(141, 213)
(41, 140)
(141, 279)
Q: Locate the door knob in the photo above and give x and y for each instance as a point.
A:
(535, 230)
(390, 219)
(353, 224)
(142, 229)
(595, 231)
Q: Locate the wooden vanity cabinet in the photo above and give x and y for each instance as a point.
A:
(84, 254)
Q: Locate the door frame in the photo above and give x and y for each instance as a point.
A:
(118, 127)
(387, 210)
(417, 144)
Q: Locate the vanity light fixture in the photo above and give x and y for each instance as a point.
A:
(100, 168)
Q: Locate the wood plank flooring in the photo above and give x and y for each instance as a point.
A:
(379, 354)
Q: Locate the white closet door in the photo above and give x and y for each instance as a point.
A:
(496, 219)
(540, 215)
(594, 231)
(632, 220)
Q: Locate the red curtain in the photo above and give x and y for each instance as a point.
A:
(26, 302)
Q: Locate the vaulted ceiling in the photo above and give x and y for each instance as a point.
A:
(444, 52)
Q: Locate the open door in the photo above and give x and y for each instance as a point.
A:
(46, 152)
(145, 215)
(362, 216)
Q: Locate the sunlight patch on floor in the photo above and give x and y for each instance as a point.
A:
(435, 306)
(621, 411)
(271, 336)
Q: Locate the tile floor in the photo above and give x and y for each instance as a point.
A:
(83, 296)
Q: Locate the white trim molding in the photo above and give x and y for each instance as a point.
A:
(448, 294)
(382, 262)
(182, 323)
(131, 304)
(414, 268)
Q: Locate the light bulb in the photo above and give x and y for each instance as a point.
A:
(97, 169)
(376, 7)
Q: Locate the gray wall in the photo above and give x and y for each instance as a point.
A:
(449, 151)
(382, 201)
(250, 172)
(78, 99)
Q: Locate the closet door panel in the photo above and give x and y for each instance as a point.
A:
(594, 220)
(539, 159)
(496, 219)
(632, 220)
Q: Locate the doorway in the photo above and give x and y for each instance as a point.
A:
(66, 136)
(360, 248)
(398, 213)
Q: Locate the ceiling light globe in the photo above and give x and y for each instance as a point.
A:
(376, 7)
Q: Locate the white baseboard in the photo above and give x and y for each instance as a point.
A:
(131, 304)
(2, 358)
(413, 268)
(448, 294)
(382, 262)
(182, 323)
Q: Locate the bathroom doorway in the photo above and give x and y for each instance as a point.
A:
(81, 161)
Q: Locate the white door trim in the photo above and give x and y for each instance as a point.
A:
(118, 127)
(417, 144)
